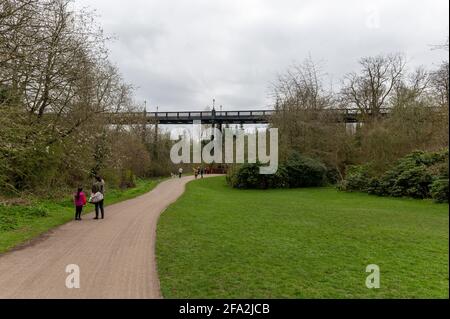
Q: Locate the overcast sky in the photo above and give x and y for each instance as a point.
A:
(181, 54)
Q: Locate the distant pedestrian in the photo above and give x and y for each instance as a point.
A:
(196, 172)
(180, 172)
(79, 200)
(99, 187)
(202, 171)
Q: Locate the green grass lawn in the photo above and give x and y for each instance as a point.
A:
(19, 224)
(218, 242)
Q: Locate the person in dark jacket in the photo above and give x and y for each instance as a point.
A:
(99, 186)
(202, 171)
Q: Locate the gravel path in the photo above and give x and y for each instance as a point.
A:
(116, 256)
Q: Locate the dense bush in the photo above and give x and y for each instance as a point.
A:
(298, 171)
(439, 190)
(418, 175)
(407, 179)
(333, 176)
(248, 176)
(358, 179)
(305, 172)
(413, 175)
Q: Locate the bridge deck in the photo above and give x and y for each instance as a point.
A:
(228, 117)
(218, 117)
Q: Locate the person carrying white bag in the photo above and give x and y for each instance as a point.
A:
(98, 196)
(95, 198)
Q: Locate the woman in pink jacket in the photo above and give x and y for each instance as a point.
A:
(79, 201)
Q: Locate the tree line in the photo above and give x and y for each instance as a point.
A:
(399, 147)
(56, 85)
(417, 101)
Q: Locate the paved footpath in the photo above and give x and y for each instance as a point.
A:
(116, 256)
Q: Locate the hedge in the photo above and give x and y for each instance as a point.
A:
(298, 171)
(418, 175)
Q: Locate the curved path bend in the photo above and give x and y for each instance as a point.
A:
(116, 256)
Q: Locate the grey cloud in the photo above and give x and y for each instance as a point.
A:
(181, 54)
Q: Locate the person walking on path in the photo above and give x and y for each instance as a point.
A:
(196, 172)
(79, 201)
(202, 172)
(99, 186)
(180, 172)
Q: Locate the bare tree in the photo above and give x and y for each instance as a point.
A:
(440, 84)
(301, 87)
(412, 88)
(369, 91)
(56, 85)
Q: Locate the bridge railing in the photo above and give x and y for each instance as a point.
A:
(243, 113)
(252, 114)
(207, 114)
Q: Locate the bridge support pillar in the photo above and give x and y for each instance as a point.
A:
(156, 131)
(144, 126)
(217, 125)
(155, 139)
